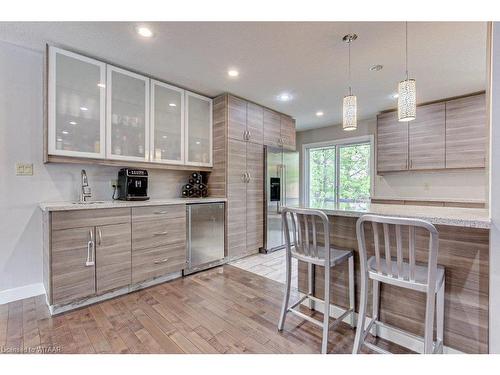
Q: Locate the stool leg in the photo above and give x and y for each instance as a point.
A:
(375, 305)
(362, 314)
(311, 273)
(286, 298)
(440, 315)
(326, 311)
(429, 322)
(351, 291)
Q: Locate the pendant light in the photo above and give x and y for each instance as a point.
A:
(349, 109)
(407, 91)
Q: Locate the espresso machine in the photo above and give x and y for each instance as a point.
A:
(133, 184)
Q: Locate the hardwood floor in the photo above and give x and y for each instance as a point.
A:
(270, 265)
(223, 310)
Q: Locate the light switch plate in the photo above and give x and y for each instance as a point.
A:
(24, 169)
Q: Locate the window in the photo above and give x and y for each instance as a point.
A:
(338, 172)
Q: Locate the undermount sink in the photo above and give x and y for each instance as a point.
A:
(90, 202)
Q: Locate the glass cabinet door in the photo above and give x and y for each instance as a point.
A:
(76, 125)
(167, 123)
(127, 124)
(198, 130)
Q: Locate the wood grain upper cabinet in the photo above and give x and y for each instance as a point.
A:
(466, 132)
(72, 264)
(272, 128)
(427, 138)
(392, 143)
(255, 123)
(237, 118)
(288, 132)
(255, 197)
(236, 198)
(113, 256)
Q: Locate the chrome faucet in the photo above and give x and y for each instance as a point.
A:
(86, 192)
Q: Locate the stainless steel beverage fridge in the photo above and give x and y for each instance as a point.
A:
(282, 190)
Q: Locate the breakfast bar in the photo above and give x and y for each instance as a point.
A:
(463, 252)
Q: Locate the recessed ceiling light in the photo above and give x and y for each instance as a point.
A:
(59, 139)
(395, 95)
(172, 105)
(72, 122)
(65, 132)
(164, 136)
(198, 142)
(101, 85)
(84, 109)
(284, 97)
(233, 73)
(144, 31)
(319, 113)
(376, 68)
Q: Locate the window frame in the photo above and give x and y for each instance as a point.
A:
(335, 143)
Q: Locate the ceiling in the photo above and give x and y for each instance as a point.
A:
(305, 59)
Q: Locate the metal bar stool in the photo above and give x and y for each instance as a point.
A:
(404, 273)
(305, 247)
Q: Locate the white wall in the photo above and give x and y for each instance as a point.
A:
(470, 185)
(21, 129)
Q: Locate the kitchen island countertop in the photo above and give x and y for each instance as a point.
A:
(453, 216)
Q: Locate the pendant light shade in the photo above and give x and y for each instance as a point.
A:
(407, 91)
(349, 105)
(407, 100)
(350, 121)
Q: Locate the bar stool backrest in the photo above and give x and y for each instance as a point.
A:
(395, 225)
(307, 232)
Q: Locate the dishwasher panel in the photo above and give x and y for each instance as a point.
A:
(205, 235)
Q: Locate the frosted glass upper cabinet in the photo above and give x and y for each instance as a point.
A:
(127, 120)
(198, 130)
(167, 123)
(76, 104)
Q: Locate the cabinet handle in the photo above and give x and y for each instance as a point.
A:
(244, 176)
(249, 177)
(160, 212)
(161, 261)
(90, 247)
(160, 233)
(99, 233)
(249, 135)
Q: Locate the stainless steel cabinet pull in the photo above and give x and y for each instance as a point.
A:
(160, 233)
(90, 252)
(100, 236)
(244, 176)
(160, 212)
(249, 135)
(249, 177)
(161, 261)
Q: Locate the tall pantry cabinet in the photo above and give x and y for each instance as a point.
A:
(238, 169)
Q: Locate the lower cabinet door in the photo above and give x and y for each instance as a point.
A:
(73, 264)
(158, 261)
(113, 256)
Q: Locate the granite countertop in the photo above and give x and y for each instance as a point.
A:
(68, 206)
(453, 216)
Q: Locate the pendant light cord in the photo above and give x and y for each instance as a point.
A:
(349, 67)
(406, 49)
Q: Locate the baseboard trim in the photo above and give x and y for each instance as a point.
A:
(22, 292)
(386, 332)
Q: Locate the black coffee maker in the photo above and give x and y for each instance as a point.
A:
(133, 184)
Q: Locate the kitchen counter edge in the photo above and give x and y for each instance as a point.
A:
(72, 206)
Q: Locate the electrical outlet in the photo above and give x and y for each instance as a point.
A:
(24, 169)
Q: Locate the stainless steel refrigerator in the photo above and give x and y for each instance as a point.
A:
(282, 190)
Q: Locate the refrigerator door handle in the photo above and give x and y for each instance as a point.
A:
(284, 186)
